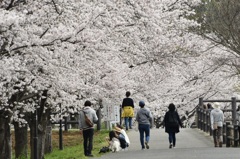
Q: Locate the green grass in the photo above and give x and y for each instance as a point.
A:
(76, 151)
(72, 144)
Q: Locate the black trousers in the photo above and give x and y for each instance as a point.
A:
(88, 141)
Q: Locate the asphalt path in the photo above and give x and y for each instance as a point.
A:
(191, 144)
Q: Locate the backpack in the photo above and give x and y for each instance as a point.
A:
(172, 120)
(87, 120)
(104, 149)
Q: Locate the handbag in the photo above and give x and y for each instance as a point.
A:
(87, 120)
(215, 126)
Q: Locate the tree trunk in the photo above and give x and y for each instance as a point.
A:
(40, 123)
(48, 140)
(5, 138)
(32, 130)
(21, 141)
(42, 134)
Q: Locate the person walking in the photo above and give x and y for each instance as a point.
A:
(128, 110)
(144, 118)
(86, 129)
(172, 123)
(217, 118)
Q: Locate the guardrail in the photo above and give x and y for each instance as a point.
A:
(230, 130)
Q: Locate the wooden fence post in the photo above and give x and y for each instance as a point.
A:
(228, 133)
(201, 102)
(209, 129)
(235, 135)
(224, 133)
(205, 120)
(198, 118)
(200, 105)
(234, 105)
(202, 119)
(120, 112)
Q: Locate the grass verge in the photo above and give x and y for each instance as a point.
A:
(73, 145)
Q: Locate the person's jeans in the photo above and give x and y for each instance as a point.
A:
(128, 122)
(144, 128)
(172, 138)
(88, 141)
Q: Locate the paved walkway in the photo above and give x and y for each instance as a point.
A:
(191, 144)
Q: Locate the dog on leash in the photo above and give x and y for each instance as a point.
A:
(114, 145)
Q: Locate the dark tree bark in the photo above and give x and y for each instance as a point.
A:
(42, 130)
(48, 140)
(41, 136)
(42, 122)
(5, 138)
(21, 141)
(32, 130)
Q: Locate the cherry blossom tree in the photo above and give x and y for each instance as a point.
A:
(63, 52)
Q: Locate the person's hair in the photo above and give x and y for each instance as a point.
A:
(112, 135)
(171, 107)
(204, 106)
(119, 126)
(141, 103)
(87, 103)
(209, 105)
(128, 93)
(238, 108)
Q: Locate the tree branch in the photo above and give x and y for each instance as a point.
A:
(44, 33)
(55, 6)
(10, 5)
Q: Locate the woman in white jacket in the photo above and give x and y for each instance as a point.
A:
(217, 119)
(118, 128)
